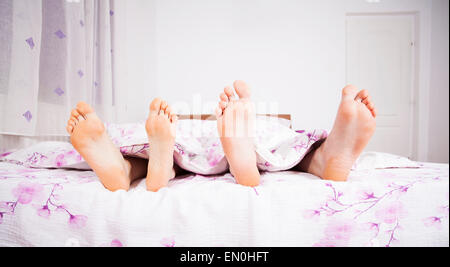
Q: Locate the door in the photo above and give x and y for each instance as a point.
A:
(380, 58)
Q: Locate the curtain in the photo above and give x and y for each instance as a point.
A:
(54, 53)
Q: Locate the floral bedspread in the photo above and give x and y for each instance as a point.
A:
(376, 207)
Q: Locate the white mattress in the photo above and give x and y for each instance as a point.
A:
(376, 207)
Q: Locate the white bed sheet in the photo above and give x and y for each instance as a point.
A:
(387, 207)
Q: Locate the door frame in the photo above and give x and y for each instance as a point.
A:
(415, 72)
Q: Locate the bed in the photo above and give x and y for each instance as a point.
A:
(385, 202)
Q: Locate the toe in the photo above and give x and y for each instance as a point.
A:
(84, 109)
(223, 105)
(362, 95)
(167, 114)
(229, 93)
(174, 118)
(74, 121)
(155, 106)
(172, 113)
(69, 129)
(74, 113)
(70, 126)
(367, 100)
(242, 89)
(168, 111)
(219, 111)
(164, 105)
(349, 92)
(74, 116)
(223, 97)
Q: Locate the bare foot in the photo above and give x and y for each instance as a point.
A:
(235, 123)
(352, 130)
(88, 136)
(161, 128)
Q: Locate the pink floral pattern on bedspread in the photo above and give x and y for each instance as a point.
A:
(197, 149)
(384, 207)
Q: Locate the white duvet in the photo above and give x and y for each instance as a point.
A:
(376, 207)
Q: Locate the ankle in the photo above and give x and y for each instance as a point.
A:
(314, 161)
(318, 161)
(127, 168)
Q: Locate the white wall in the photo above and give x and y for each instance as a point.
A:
(288, 53)
(439, 83)
(292, 52)
(138, 54)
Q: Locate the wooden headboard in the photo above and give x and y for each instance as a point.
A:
(206, 117)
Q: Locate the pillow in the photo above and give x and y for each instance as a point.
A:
(197, 149)
(6, 153)
(48, 155)
(378, 160)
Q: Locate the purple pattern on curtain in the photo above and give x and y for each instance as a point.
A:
(54, 53)
(6, 42)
